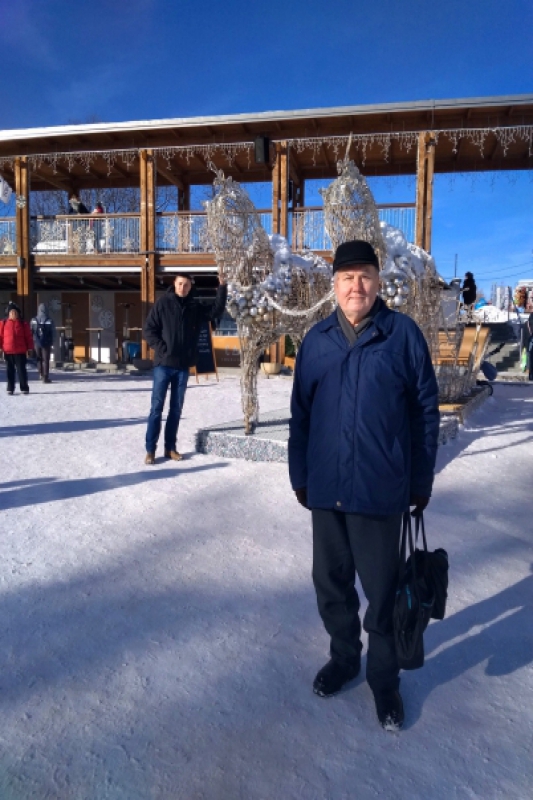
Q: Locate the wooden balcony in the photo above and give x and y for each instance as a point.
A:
(181, 237)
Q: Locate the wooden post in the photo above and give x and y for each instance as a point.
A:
(25, 294)
(284, 190)
(424, 189)
(276, 189)
(147, 237)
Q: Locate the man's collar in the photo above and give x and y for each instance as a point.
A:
(379, 312)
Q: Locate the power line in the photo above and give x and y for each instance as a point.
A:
(504, 269)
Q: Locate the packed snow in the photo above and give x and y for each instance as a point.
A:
(160, 631)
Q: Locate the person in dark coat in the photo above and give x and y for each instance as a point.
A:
(469, 289)
(362, 446)
(172, 329)
(75, 205)
(16, 340)
(43, 331)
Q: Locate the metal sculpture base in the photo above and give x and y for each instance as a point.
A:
(269, 440)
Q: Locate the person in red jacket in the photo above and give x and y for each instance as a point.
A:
(15, 341)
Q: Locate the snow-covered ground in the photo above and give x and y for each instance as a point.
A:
(160, 633)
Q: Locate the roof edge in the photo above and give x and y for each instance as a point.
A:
(264, 116)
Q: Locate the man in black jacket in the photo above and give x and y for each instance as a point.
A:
(172, 329)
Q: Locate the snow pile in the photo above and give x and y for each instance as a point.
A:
(490, 314)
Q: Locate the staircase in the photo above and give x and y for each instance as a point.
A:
(504, 349)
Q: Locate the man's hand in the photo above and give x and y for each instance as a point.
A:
(301, 496)
(221, 280)
(420, 503)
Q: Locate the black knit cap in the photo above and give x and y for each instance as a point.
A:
(13, 307)
(352, 253)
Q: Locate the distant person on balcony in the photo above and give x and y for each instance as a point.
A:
(75, 206)
(469, 290)
(172, 329)
(43, 330)
(98, 209)
(15, 340)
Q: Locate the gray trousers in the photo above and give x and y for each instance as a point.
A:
(344, 544)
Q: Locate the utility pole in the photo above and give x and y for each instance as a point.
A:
(455, 267)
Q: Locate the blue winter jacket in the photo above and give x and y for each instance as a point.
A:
(364, 419)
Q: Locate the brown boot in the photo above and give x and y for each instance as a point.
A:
(150, 458)
(174, 455)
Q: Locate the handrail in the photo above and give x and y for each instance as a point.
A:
(378, 205)
(201, 213)
(86, 216)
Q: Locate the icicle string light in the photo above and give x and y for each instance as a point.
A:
(406, 140)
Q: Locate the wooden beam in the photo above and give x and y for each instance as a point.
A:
(121, 171)
(284, 190)
(184, 198)
(424, 189)
(147, 236)
(202, 160)
(276, 189)
(171, 178)
(52, 181)
(293, 168)
(24, 264)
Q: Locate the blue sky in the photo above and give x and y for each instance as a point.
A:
(150, 59)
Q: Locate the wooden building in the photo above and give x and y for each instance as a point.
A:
(104, 271)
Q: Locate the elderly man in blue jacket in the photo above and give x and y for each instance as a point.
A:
(362, 448)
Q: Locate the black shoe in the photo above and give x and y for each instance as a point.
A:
(331, 678)
(389, 707)
(47, 380)
(25, 391)
(10, 391)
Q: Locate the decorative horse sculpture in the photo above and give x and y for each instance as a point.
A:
(272, 291)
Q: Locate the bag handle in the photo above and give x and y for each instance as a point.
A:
(419, 526)
(407, 536)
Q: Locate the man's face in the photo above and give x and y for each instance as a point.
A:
(182, 286)
(13, 314)
(356, 289)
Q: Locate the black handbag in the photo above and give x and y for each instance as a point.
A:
(414, 601)
(421, 594)
(435, 567)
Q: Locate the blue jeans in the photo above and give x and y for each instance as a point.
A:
(163, 377)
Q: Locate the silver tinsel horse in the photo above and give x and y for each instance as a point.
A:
(271, 291)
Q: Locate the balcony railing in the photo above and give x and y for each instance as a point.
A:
(8, 236)
(85, 235)
(309, 230)
(186, 231)
(182, 232)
